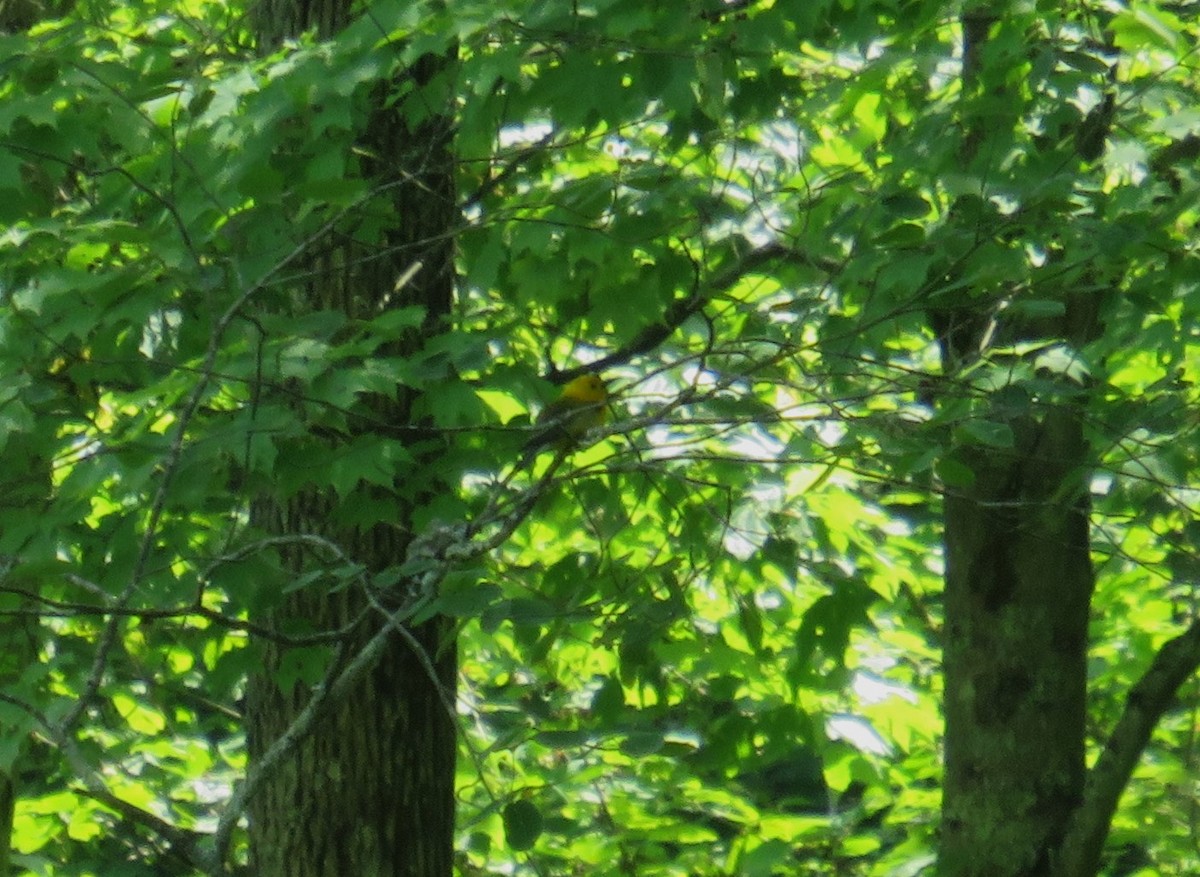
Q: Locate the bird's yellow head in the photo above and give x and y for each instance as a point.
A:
(585, 390)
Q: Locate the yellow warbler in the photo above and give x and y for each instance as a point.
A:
(582, 405)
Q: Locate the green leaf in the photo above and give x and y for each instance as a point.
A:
(987, 433)
(906, 205)
(642, 743)
(954, 473)
(1143, 25)
(370, 460)
(1038, 309)
(522, 825)
(464, 596)
(751, 623)
(396, 322)
(765, 858)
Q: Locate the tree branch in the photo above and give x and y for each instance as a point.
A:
(182, 842)
(1149, 699)
(680, 310)
(339, 683)
(169, 467)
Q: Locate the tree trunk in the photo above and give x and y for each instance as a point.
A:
(1018, 571)
(371, 790)
(1018, 586)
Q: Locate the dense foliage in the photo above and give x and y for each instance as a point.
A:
(707, 643)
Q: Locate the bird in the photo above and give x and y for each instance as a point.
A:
(581, 405)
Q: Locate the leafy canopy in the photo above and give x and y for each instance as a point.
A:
(711, 643)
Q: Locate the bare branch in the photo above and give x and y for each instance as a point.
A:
(1149, 699)
(337, 686)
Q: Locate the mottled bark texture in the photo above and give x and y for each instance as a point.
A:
(1018, 576)
(371, 791)
(1018, 585)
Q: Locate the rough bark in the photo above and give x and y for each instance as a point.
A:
(370, 791)
(1018, 586)
(1018, 583)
